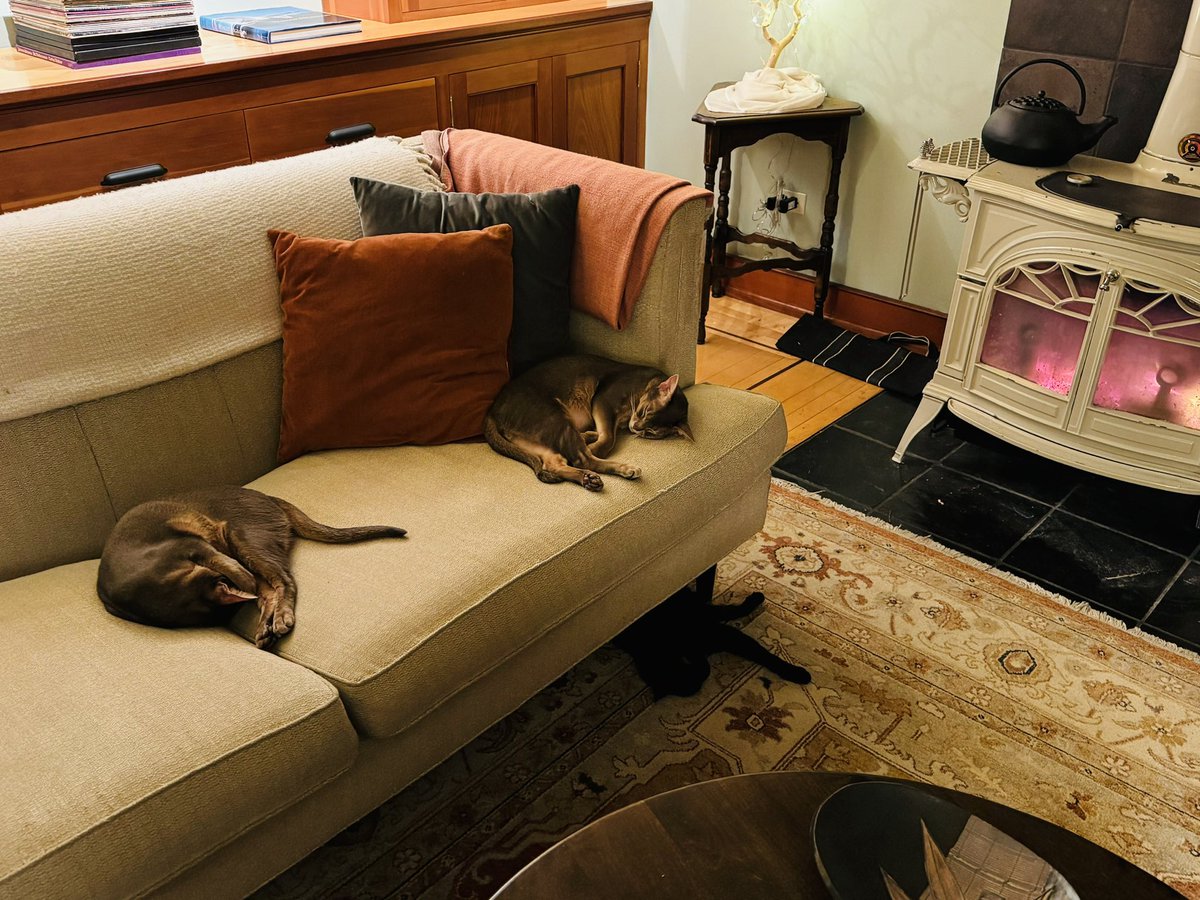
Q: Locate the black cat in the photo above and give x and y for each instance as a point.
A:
(670, 645)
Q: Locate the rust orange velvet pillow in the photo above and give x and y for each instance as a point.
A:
(396, 339)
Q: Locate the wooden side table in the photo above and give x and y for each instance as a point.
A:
(726, 132)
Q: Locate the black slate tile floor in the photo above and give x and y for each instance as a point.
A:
(1129, 551)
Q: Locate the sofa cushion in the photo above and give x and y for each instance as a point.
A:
(131, 752)
(543, 227)
(494, 558)
(373, 353)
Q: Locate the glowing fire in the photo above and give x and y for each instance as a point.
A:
(1140, 375)
(1152, 378)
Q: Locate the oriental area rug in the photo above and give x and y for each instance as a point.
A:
(926, 665)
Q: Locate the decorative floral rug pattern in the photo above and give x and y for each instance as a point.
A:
(925, 666)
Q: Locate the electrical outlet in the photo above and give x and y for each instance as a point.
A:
(793, 203)
(786, 203)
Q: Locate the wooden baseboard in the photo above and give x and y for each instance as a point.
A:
(870, 314)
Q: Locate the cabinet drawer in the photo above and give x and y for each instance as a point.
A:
(303, 125)
(65, 169)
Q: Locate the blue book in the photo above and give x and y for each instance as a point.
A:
(278, 24)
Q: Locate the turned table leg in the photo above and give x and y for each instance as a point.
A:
(710, 176)
(721, 228)
(837, 151)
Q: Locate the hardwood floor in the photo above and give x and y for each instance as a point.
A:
(741, 353)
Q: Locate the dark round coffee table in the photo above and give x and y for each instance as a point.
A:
(748, 837)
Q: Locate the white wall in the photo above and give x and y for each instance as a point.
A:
(921, 68)
(693, 44)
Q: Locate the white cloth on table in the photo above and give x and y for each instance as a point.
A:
(771, 90)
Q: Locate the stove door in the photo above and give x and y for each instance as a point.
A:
(1146, 401)
(1034, 334)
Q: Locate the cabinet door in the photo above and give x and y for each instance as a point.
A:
(596, 102)
(514, 100)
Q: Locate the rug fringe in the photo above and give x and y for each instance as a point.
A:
(1078, 606)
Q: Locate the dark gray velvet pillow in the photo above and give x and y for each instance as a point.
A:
(543, 227)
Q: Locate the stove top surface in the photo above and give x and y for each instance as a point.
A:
(1120, 194)
(1128, 200)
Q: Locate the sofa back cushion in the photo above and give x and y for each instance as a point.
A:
(141, 340)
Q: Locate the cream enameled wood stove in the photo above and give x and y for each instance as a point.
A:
(1074, 330)
(1071, 339)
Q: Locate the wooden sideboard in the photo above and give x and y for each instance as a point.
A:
(570, 74)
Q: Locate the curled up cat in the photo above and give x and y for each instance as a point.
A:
(561, 418)
(190, 560)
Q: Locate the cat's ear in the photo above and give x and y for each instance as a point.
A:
(225, 595)
(684, 430)
(666, 389)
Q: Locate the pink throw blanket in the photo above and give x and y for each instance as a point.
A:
(622, 210)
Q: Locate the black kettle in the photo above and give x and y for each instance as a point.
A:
(1039, 130)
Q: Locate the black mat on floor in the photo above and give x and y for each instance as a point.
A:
(885, 361)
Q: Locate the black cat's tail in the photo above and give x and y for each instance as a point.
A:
(327, 534)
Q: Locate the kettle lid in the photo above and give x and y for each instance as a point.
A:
(1039, 102)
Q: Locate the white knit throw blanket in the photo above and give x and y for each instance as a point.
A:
(117, 291)
(771, 90)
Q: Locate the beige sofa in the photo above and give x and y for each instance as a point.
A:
(141, 355)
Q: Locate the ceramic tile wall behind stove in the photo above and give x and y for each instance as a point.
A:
(1125, 51)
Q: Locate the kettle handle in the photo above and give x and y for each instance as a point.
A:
(1046, 59)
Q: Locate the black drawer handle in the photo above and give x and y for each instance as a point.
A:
(127, 177)
(350, 133)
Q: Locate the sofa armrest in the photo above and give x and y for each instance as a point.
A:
(666, 316)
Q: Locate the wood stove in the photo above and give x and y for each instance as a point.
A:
(1074, 329)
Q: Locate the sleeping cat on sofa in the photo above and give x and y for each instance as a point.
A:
(561, 418)
(190, 560)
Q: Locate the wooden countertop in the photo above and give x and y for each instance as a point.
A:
(26, 79)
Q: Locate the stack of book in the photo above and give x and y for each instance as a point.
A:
(83, 33)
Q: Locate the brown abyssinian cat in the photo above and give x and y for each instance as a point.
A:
(561, 418)
(189, 560)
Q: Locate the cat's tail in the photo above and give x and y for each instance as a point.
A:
(327, 534)
(502, 445)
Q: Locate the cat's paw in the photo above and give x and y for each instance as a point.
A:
(589, 437)
(800, 675)
(631, 472)
(592, 481)
(274, 621)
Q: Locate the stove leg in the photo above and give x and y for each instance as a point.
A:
(926, 413)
